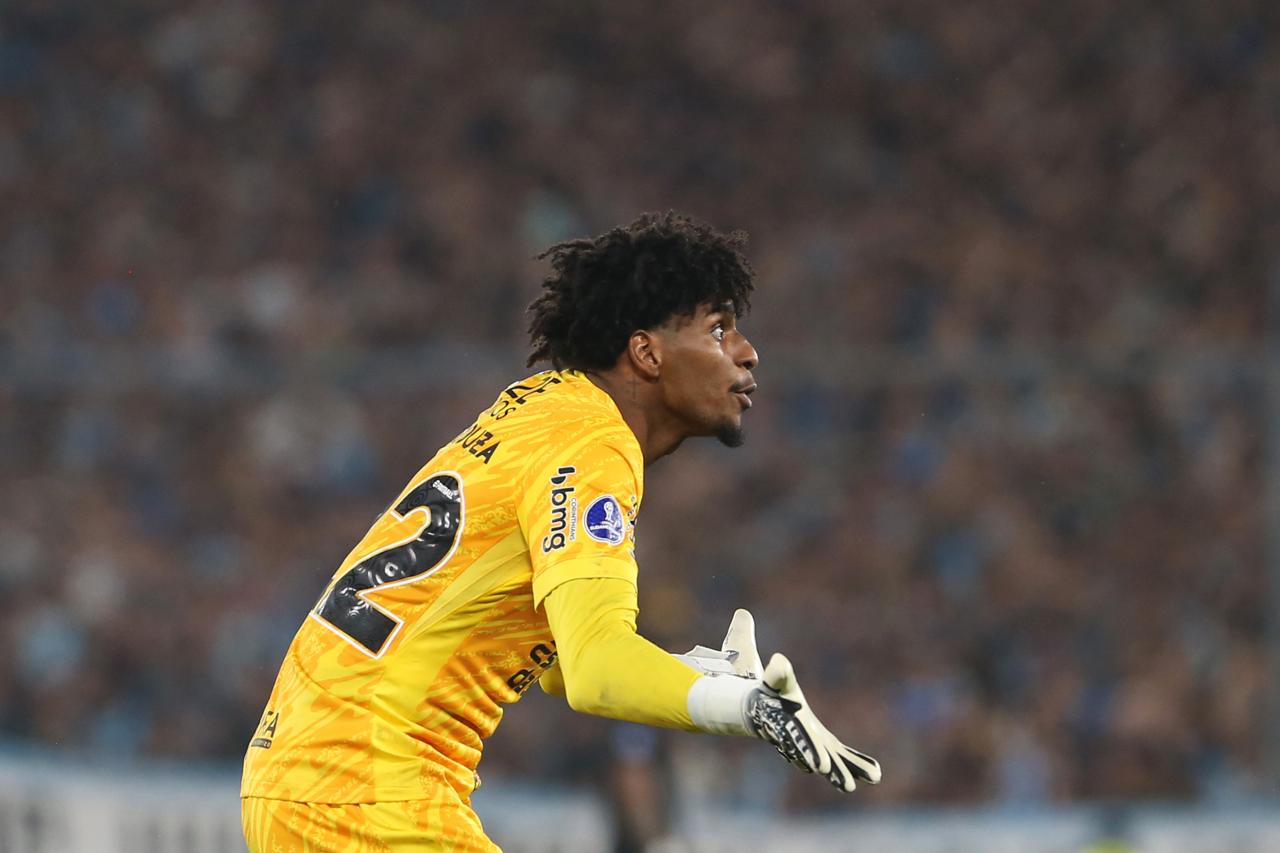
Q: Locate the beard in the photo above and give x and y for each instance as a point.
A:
(730, 435)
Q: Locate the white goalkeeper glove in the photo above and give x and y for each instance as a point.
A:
(737, 655)
(769, 705)
(778, 713)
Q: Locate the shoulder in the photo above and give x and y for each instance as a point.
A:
(569, 418)
(571, 406)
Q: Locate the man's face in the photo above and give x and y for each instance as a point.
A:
(706, 373)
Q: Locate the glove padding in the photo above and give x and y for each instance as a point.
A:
(778, 713)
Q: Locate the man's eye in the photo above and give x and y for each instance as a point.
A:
(718, 332)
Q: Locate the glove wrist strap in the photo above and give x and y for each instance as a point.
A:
(707, 661)
(718, 704)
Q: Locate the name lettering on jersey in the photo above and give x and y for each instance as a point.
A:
(266, 731)
(541, 655)
(476, 441)
(564, 512)
(514, 396)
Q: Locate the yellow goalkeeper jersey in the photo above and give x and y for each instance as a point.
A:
(432, 623)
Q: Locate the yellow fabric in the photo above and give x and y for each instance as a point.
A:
(623, 570)
(552, 681)
(442, 823)
(608, 669)
(389, 693)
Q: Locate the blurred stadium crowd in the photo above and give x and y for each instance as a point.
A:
(1002, 497)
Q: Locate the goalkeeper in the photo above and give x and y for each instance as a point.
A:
(509, 559)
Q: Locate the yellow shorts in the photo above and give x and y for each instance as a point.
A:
(279, 826)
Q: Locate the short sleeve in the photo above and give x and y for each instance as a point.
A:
(578, 514)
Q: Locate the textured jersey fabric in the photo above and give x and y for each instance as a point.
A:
(432, 623)
(441, 824)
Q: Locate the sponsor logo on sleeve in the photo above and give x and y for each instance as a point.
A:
(544, 657)
(564, 511)
(604, 521)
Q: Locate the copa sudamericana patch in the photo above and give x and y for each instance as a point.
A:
(603, 520)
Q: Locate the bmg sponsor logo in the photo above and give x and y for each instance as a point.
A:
(564, 511)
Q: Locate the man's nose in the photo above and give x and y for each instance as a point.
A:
(748, 357)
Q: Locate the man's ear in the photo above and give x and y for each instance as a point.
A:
(644, 351)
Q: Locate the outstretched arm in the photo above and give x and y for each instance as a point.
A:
(581, 500)
(607, 668)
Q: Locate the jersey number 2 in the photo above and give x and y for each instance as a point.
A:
(346, 607)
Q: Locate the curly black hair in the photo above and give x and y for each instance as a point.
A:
(600, 290)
